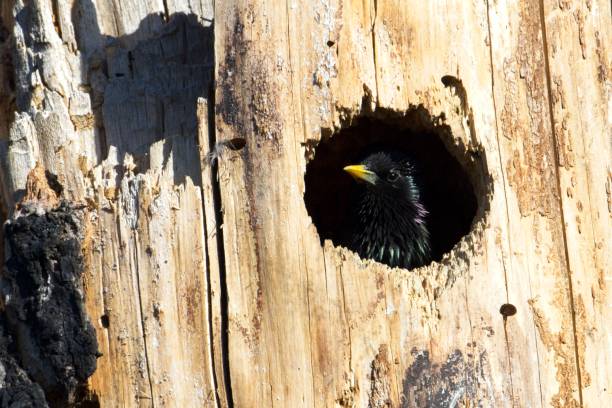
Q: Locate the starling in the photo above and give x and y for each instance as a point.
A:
(389, 219)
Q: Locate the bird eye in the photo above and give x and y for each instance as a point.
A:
(392, 176)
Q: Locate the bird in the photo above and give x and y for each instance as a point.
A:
(388, 220)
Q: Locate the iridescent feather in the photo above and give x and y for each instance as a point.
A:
(389, 224)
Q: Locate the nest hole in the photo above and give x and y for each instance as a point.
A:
(447, 190)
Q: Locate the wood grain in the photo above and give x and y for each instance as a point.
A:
(207, 283)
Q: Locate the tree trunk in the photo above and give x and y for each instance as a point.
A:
(186, 127)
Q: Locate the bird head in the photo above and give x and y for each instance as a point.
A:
(388, 218)
(385, 172)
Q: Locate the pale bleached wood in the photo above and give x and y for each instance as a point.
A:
(111, 290)
(540, 272)
(154, 276)
(168, 245)
(578, 37)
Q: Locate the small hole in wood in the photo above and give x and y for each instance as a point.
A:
(104, 321)
(235, 144)
(445, 188)
(507, 310)
(330, 43)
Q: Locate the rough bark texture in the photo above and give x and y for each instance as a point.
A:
(54, 339)
(205, 279)
(18, 390)
(48, 338)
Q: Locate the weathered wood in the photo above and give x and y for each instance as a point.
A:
(537, 266)
(105, 95)
(106, 99)
(579, 82)
(499, 69)
(344, 319)
(213, 257)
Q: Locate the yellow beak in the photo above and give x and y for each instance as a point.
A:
(360, 172)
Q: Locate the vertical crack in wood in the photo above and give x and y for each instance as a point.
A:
(509, 362)
(394, 373)
(205, 122)
(166, 10)
(142, 319)
(346, 317)
(312, 340)
(535, 336)
(373, 29)
(467, 373)
(224, 315)
(555, 149)
(297, 147)
(503, 181)
(499, 154)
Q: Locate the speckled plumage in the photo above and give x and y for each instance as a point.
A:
(389, 221)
